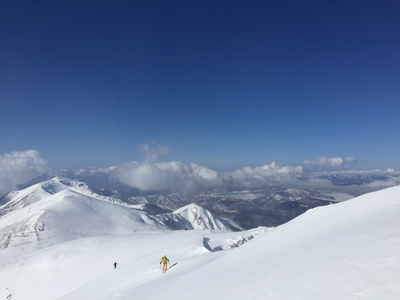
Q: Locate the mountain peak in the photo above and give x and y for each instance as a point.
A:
(193, 216)
(191, 206)
(60, 209)
(18, 199)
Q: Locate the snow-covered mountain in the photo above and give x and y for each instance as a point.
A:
(60, 210)
(268, 207)
(68, 215)
(349, 250)
(193, 216)
(19, 199)
(249, 207)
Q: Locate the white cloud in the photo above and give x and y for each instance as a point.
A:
(328, 162)
(171, 176)
(153, 151)
(264, 175)
(18, 167)
(175, 176)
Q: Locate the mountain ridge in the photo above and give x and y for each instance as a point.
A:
(347, 250)
(60, 210)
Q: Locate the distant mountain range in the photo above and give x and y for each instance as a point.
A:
(61, 233)
(249, 208)
(61, 209)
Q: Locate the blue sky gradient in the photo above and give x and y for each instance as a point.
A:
(223, 84)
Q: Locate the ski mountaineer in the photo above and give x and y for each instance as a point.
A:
(164, 261)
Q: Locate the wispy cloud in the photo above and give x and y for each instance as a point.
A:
(324, 162)
(153, 151)
(18, 167)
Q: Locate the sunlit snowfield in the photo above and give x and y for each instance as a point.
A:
(349, 250)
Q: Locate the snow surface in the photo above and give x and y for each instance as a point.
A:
(56, 211)
(193, 216)
(349, 250)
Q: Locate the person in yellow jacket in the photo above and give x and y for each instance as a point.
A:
(164, 261)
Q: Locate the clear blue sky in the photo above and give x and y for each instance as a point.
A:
(222, 84)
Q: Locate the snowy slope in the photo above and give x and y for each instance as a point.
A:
(65, 216)
(350, 250)
(19, 199)
(193, 216)
(60, 210)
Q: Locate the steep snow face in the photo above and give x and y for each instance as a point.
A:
(196, 217)
(61, 210)
(19, 199)
(65, 216)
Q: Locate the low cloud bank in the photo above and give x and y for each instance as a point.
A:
(168, 176)
(176, 177)
(18, 167)
(148, 175)
(324, 162)
(164, 176)
(266, 175)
